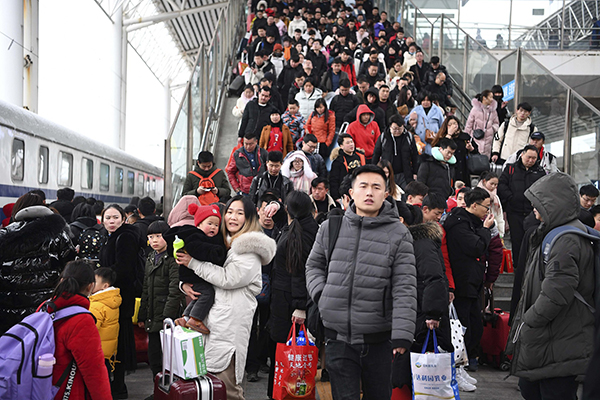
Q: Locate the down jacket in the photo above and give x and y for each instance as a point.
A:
(365, 136)
(368, 293)
(399, 151)
(307, 101)
(236, 283)
(33, 252)
(512, 138)
(324, 131)
(552, 331)
(513, 182)
(240, 171)
(486, 119)
(105, 307)
(437, 175)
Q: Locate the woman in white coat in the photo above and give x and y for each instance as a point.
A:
(236, 284)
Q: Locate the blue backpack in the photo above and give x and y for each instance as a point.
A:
(594, 237)
(20, 349)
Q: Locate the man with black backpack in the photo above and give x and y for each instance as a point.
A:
(513, 134)
(552, 332)
(365, 289)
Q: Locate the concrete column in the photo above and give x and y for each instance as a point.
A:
(31, 25)
(11, 52)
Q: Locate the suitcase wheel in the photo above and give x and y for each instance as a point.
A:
(505, 366)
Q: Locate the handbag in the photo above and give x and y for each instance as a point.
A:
(429, 134)
(295, 368)
(458, 341)
(478, 163)
(433, 374)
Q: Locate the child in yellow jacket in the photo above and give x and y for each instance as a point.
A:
(104, 304)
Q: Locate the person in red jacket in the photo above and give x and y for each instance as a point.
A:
(77, 337)
(321, 123)
(364, 131)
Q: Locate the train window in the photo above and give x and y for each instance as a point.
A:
(118, 180)
(17, 160)
(148, 186)
(153, 193)
(87, 173)
(130, 181)
(140, 184)
(65, 169)
(104, 177)
(43, 164)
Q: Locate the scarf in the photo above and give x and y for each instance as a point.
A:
(300, 181)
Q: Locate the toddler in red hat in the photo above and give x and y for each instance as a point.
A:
(204, 244)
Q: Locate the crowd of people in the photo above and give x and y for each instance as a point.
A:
(352, 189)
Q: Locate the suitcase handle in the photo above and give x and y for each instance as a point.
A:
(168, 323)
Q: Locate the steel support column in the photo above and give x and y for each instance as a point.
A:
(31, 14)
(518, 76)
(567, 133)
(123, 80)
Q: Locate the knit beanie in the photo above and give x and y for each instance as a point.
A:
(200, 213)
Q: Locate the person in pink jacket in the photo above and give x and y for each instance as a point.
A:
(483, 116)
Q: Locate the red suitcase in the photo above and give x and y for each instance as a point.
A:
(168, 386)
(141, 344)
(495, 335)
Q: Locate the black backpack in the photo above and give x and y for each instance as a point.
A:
(91, 241)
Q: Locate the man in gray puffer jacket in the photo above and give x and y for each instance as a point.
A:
(367, 295)
(552, 333)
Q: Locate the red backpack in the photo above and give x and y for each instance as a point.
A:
(207, 197)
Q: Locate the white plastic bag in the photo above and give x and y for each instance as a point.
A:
(458, 340)
(433, 374)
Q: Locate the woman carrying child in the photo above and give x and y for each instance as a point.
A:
(236, 283)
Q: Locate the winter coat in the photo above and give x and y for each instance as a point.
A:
(317, 163)
(407, 156)
(513, 182)
(433, 121)
(286, 138)
(286, 79)
(161, 297)
(378, 113)
(364, 135)
(461, 169)
(390, 110)
(295, 123)
(240, 105)
(105, 307)
(467, 241)
(64, 208)
(77, 338)
(324, 131)
(349, 69)
(220, 179)
(236, 285)
(255, 118)
(486, 119)
(495, 208)
(261, 183)
(33, 252)
(512, 138)
(301, 180)
(342, 164)
(437, 175)
(327, 80)
(77, 227)
(341, 106)
(142, 226)
(369, 288)
(546, 159)
(180, 215)
(307, 101)
(261, 70)
(331, 204)
(432, 74)
(288, 291)
(552, 331)
(240, 171)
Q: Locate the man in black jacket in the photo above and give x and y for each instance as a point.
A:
(64, 204)
(386, 104)
(343, 103)
(308, 146)
(397, 146)
(514, 181)
(287, 76)
(271, 179)
(467, 240)
(319, 61)
(420, 70)
(345, 160)
(257, 114)
(436, 68)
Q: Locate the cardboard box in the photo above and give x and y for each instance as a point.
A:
(188, 361)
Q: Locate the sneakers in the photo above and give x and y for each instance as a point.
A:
(460, 371)
(463, 385)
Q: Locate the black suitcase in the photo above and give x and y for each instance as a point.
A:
(237, 86)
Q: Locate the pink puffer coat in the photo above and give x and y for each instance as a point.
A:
(486, 119)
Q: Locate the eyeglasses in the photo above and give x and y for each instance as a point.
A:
(486, 207)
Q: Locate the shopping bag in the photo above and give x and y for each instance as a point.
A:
(295, 369)
(433, 374)
(458, 340)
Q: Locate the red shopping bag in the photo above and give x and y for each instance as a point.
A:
(295, 369)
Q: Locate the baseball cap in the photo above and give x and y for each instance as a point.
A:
(537, 136)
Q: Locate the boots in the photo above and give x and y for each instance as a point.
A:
(197, 325)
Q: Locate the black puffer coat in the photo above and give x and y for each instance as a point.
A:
(386, 148)
(288, 292)
(513, 183)
(461, 170)
(437, 175)
(33, 252)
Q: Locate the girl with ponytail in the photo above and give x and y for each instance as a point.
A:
(288, 280)
(77, 338)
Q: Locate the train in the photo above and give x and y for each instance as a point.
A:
(36, 153)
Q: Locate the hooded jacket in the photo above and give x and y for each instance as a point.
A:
(486, 119)
(33, 252)
(378, 113)
(552, 331)
(105, 307)
(343, 164)
(368, 291)
(364, 135)
(180, 215)
(438, 175)
(220, 179)
(240, 171)
(236, 283)
(400, 150)
(513, 182)
(467, 241)
(512, 138)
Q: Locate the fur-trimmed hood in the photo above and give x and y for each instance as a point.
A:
(255, 242)
(426, 230)
(335, 153)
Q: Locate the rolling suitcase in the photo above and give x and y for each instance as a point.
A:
(495, 334)
(167, 386)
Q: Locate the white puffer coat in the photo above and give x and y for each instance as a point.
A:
(236, 284)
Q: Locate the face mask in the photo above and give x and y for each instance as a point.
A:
(498, 98)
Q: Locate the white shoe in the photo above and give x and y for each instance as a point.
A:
(461, 371)
(463, 385)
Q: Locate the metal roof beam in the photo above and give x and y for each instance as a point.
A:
(143, 22)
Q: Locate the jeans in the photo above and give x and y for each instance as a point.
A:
(351, 364)
(563, 388)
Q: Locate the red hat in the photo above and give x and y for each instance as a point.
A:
(278, 46)
(200, 213)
